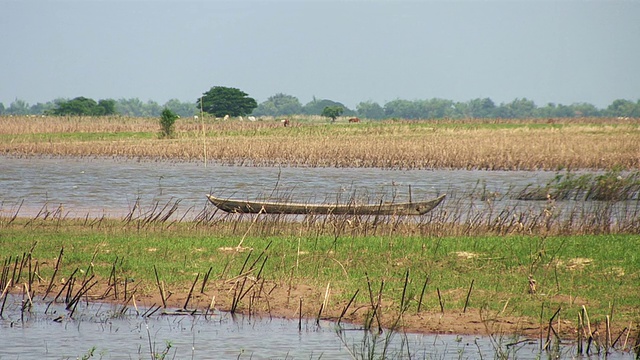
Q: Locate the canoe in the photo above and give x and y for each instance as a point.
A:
(268, 207)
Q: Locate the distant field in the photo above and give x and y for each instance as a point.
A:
(549, 144)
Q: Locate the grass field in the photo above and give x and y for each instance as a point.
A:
(415, 277)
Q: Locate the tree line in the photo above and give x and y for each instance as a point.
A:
(220, 101)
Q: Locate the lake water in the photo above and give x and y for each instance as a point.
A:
(42, 333)
(111, 187)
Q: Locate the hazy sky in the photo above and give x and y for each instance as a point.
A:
(346, 51)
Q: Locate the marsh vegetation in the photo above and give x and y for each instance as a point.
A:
(563, 144)
(484, 263)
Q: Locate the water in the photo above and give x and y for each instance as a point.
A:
(111, 187)
(42, 333)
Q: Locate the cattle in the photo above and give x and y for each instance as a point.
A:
(354, 120)
(285, 122)
(226, 117)
(251, 118)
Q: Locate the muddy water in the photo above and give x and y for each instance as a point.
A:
(111, 187)
(49, 333)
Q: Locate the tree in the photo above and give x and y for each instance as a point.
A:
(78, 106)
(130, 107)
(184, 109)
(402, 109)
(370, 110)
(220, 101)
(152, 109)
(623, 108)
(40, 108)
(18, 107)
(83, 106)
(332, 112)
(435, 108)
(480, 108)
(1, 108)
(585, 109)
(316, 107)
(167, 120)
(108, 107)
(517, 109)
(278, 105)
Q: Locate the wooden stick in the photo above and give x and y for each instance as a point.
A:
(55, 271)
(440, 300)
(550, 328)
(344, 311)
(164, 302)
(424, 286)
(300, 315)
(468, 294)
(404, 290)
(579, 334)
(206, 278)
(191, 292)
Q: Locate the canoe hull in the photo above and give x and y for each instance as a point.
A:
(254, 207)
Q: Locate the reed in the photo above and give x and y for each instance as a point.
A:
(505, 144)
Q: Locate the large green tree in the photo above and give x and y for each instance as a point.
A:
(220, 101)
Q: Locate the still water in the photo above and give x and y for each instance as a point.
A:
(111, 187)
(48, 333)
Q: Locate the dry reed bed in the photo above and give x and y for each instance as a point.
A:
(394, 145)
(14, 125)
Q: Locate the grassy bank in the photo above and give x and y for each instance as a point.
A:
(465, 144)
(466, 284)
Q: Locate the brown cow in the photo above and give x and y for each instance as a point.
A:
(285, 122)
(354, 120)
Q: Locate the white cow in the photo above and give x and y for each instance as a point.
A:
(251, 118)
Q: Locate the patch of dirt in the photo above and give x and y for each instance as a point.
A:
(576, 263)
(280, 300)
(466, 255)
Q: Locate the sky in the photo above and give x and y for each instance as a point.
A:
(347, 51)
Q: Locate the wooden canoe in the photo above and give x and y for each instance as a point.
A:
(268, 207)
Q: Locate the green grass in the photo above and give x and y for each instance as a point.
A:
(596, 271)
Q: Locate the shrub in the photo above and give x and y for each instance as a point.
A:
(167, 120)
